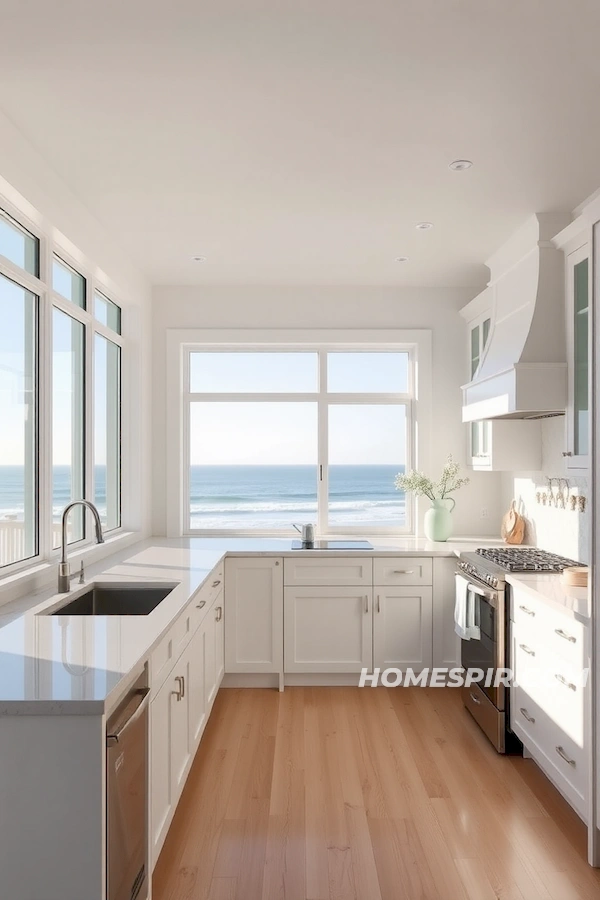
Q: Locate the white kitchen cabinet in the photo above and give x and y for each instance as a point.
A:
(577, 450)
(254, 617)
(170, 748)
(328, 629)
(196, 686)
(332, 571)
(549, 698)
(402, 628)
(179, 711)
(220, 639)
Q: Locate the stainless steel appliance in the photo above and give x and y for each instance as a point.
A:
(485, 571)
(127, 797)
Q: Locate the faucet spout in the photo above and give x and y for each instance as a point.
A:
(64, 574)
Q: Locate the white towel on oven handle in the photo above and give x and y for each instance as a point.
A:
(466, 611)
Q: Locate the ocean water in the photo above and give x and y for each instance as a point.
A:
(246, 497)
(12, 491)
(272, 497)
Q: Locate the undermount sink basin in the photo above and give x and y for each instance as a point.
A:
(115, 600)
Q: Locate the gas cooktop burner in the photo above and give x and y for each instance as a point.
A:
(513, 560)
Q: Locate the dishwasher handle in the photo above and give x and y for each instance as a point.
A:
(142, 696)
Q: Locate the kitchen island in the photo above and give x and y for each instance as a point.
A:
(62, 676)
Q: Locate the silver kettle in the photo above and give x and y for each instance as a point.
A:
(307, 533)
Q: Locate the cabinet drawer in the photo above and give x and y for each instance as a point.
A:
(335, 572)
(566, 638)
(563, 757)
(204, 598)
(527, 609)
(166, 654)
(552, 633)
(408, 570)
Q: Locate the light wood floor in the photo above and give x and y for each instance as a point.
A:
(365, 794)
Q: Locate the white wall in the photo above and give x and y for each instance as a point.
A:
(33, 187)
(343, 308)
(560, 531)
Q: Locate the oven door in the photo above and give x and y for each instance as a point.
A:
(488, 651)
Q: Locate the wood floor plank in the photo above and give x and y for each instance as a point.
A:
(372, 794)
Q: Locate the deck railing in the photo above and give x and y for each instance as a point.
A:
(13, 541)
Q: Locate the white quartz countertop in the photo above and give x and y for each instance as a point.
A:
(66, 665)
(571, 600)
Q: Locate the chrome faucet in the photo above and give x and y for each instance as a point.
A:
(64, 570)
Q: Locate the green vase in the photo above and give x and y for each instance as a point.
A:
(438, 520)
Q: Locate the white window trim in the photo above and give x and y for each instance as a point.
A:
(180, 341)
(49, 246)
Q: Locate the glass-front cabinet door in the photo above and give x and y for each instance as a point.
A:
(578, 336)
(480, 432)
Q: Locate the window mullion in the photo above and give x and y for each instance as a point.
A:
(323, 443)
(88, 417)
(45, 404)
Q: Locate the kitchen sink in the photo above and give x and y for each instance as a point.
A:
(115, 600)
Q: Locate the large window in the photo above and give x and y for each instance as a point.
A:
(277, 437)
(60, 400)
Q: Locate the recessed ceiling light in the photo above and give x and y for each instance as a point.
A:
(198, 258)
(459, 165)
(424, 226)
(401, 259)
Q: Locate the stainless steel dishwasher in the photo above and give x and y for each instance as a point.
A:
(127, 797)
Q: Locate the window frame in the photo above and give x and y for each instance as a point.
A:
(417, 401)
(50, 246)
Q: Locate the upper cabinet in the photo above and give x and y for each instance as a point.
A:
(479, 334)
(578, 337)
(575, 241)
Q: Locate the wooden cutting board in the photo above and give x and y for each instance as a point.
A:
(513, 526)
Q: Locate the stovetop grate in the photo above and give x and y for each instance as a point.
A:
(525, 560)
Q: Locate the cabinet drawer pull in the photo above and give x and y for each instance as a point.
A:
(567, 637)
(378, 603)
(219, 613)
(201, 604)
(527, 650)
(183, 686)
(404, 572)
(528, 612)
(474, 698)
(567, 453)
(569, 684)
(366, 603)
(524, 713)
(216, 583)
(180, 689)
(564, 756)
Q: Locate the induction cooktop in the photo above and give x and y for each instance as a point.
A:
(332, 545)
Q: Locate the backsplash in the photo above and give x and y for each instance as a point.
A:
(563, 531)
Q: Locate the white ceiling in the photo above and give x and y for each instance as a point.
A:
(291, 141)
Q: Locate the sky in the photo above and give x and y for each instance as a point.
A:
(276, 433)
(17, 318)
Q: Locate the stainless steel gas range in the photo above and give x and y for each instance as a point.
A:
(488, 699)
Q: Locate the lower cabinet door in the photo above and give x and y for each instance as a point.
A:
(403, 628)
(170, 750)
(197, 686)
(220, 640)
(328, 629)
(210, 657)
(181, 749)
(160, 760)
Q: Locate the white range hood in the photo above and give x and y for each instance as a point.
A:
(523, 370)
